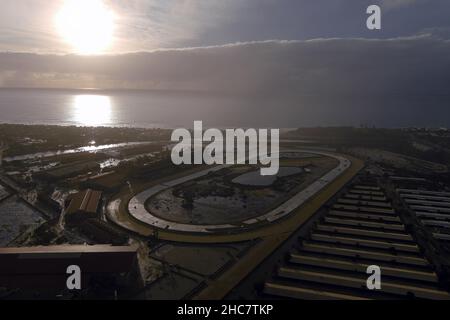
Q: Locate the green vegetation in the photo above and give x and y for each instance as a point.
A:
(25, 139)
(430, 145)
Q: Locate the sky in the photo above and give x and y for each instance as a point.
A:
(144, 25)
(307, 47)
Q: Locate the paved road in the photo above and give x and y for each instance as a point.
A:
(137, 209)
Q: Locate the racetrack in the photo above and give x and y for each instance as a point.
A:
(129, 211)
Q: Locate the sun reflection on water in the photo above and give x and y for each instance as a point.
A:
(92, 110)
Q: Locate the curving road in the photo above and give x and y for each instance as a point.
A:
(136, 206)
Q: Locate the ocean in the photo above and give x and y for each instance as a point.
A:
(162, 109)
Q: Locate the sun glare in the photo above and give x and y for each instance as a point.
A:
(92, 110)
(87, 25)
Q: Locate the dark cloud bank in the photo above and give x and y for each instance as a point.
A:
(388, 82)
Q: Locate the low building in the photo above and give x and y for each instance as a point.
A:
(43, 270)
(82, 206)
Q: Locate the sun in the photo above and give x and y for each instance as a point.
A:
(86, 25)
